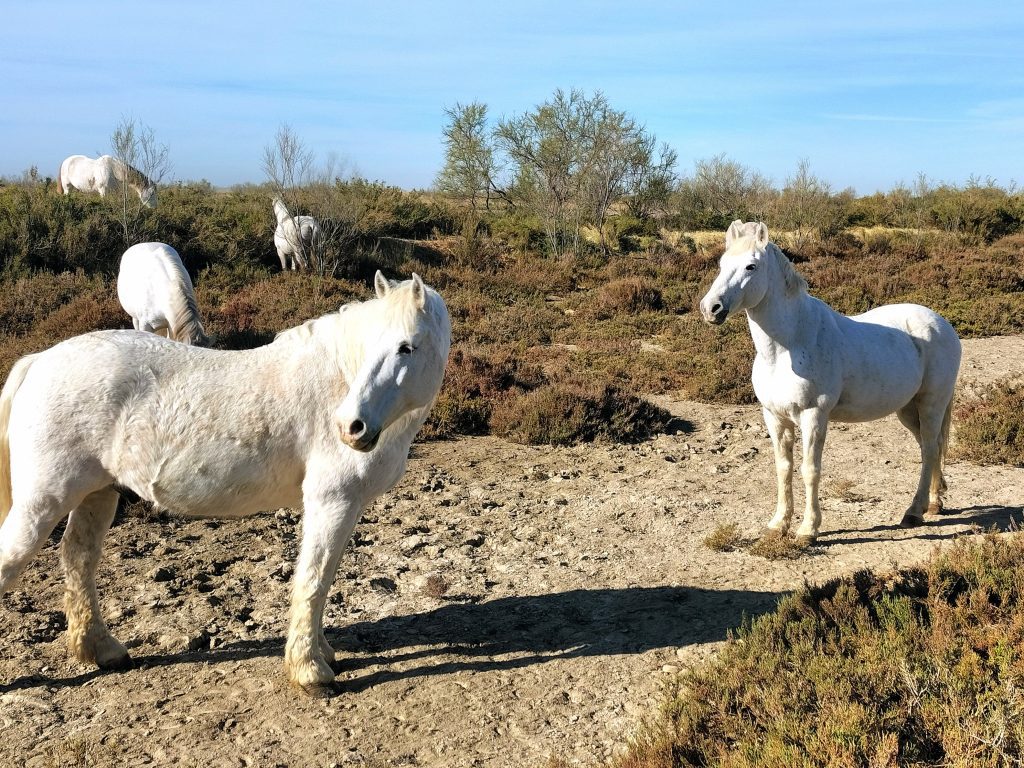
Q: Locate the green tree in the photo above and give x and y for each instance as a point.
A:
(470, 169)
(575, 158)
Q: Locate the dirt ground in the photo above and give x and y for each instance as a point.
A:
(505, 605)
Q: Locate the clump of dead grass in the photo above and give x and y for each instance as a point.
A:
(725, 538)
(778, 546)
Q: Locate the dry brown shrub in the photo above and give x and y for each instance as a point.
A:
(627, 295)
(474, 383)
(572, 412)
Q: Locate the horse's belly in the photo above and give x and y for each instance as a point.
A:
(218, 478)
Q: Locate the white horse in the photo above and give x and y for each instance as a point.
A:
(105, 174)
(814, 365)
(154, 288)
(322, 417)
(294, 237)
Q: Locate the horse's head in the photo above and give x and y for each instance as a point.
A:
(148, 196)
(742, 280)
(404, 335)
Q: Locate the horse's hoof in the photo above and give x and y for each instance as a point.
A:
(120, 663)
(771, 533)
(911, 521)
(805, 540)
(934, 509)
(322, 690)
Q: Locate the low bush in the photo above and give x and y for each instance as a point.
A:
(922, 667)
(989, 426)
(572, 412)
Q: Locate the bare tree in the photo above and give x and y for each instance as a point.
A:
(147, 163)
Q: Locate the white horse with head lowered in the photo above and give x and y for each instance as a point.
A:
(295, 237)
(105, 174)
(154, 288)
(323, 417)
(814, 365)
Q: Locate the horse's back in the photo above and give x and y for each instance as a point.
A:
(149, 275)
(893, 354)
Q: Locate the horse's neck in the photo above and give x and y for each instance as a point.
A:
(780, 322)
(281, 212)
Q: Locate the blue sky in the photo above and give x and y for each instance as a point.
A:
(870, 93)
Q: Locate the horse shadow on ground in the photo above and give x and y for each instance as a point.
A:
(503, 634)
(984, 517)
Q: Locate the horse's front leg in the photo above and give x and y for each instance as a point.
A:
(782, 434)
(813, 426)
(326, 527)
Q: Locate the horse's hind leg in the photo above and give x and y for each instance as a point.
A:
(924, 418)
(88, 637)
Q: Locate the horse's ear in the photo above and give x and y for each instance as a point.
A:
(381, 285)
(761, 235)
(735, 230)
(419, 292)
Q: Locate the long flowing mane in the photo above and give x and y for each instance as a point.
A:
(396, 310)
(187, 322)
(131, 175)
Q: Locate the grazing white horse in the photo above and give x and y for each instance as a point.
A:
(814, 365)
(154, 288)
(322, 417)
(294, 237)
(105, 174)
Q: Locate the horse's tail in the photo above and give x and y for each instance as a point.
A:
(947, 419)
(11, 386)
(60, 177)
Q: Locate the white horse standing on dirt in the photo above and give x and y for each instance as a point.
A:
(105, 175)
(323, 417)
(295, 237)
(155, 289)
(814, 365)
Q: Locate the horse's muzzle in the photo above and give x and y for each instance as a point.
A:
(715, 314)
(357, 436)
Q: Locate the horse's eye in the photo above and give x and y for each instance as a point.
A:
(751, 267)
(405, 348)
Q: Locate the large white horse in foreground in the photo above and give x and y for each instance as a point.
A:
(814, 365)
(155, 289)
(105, 175)
(295, 237)
(322, 417)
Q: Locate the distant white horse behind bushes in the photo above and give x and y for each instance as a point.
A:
(154, 288)
(295, 237)
(105, 175)
(322, 417)
(814, 365)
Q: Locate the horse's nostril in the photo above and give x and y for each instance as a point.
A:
(716, 309)
(356, 428)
